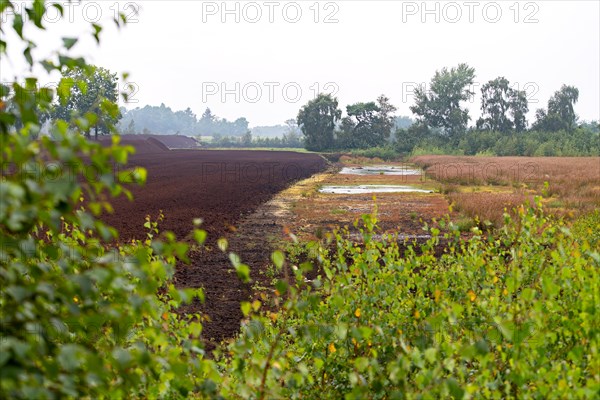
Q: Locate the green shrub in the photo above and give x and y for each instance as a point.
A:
(79, 317)
(511, 316)
(586, 228)
(420, 151)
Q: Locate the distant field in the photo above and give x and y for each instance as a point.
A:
(484, 186)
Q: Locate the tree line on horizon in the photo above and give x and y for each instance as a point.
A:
(441, 124)
(163, 120)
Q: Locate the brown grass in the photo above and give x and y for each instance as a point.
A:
(488, 206)
(572, 182)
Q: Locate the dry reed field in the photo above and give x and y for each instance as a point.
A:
(485, 186)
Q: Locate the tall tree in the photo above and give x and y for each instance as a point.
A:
(239, 126)
(561, 111)
(164, 121)
(207, 115)
(246, 140)
(131, 128)
(386, 118)
(185, 121)
(519, 107)
(358, 128)
(440, 107)
(317, 120)
(293, 135)
(503, 108)
(291, 126)
(367, 124)
(93, 90)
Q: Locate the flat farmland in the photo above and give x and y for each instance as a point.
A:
(222, 188)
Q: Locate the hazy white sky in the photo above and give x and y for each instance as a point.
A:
(263, 60)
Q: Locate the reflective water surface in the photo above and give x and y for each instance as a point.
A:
(362, 189)
(380, 170)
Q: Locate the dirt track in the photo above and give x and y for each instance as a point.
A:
(221, 187)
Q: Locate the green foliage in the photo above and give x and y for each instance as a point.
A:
(357, 127)
(367, 124)
(561, 114)
(506, 316)
(503, 108)
(79, 319)
(427, 150)
(317, 120)
(587, 228)
(162, 120)
(582, 141)
(289, 140)
(79, 316)
(413, 136)
(439, 106)
(579, 142)
(441, 124)
(88, 90)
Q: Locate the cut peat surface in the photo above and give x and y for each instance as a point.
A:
(221, 187)
(217, 186)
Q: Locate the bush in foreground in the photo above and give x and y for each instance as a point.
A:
(507, 316)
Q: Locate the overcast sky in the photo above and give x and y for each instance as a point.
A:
(264, 60)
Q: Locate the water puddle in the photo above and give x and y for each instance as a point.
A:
(362, 189)
(380, 170)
